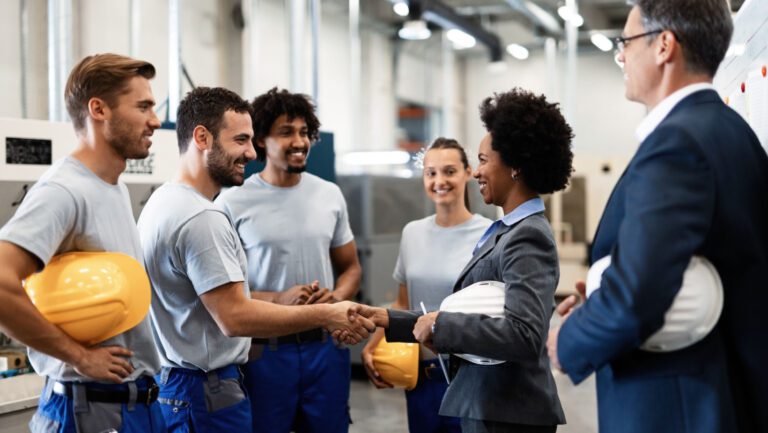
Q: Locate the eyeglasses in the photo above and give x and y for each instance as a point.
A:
(622, 42)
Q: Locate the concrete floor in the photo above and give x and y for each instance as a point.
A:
(383, 410)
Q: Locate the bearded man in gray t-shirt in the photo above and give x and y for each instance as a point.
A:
(295, 231)
(80, 205)
(202, 311)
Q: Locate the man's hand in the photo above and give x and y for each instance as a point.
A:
(564, 309)
(352, 327)
(370, 368)
(297, 295)
(107, 363)
(552, 348)
(321, 295)
(423, 329)
(377, 315)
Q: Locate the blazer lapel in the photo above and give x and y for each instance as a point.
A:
(482, 252)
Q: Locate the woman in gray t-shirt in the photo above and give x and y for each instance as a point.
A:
(433, 251)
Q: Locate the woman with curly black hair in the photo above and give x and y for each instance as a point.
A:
(526, 153)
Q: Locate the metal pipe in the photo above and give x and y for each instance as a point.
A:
(569, 107)
(135, 29)
(250, 39)
(314, 11)
(24, 47)
(59, 56)
(447, 18)
(174, 60)
(355, 63)
(448, 76)
(298, 10)
(537, 16)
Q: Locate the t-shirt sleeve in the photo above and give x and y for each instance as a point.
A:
(399, 272)
(342, 233)
(44, 219)
(209, 250)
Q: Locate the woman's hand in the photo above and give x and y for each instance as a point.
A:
(423, 329)
(370, 368)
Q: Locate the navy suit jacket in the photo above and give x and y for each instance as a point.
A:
(698, 185)
(521, 390)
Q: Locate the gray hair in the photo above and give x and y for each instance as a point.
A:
(702, 27)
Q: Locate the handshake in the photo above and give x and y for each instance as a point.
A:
(350, 323)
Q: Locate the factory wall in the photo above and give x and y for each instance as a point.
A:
(392, 71)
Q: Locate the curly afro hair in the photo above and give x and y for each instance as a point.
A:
(266, 108)
(531, 135)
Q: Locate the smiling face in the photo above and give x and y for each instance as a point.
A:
(287, 145)
(493, 176)
(231, 150)
(445, 177)
(132, 120)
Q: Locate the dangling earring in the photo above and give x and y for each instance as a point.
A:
(515, 175)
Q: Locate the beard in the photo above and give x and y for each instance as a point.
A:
(296, 169)
(221, 167)
(293, 169)
(125, 140)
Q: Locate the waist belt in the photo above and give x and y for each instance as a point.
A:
(107, 394)
(317, 334)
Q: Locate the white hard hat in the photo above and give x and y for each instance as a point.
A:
(484, 297)
(693, 313)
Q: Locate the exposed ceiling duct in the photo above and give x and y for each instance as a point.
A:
(444, 16)
(538, 16)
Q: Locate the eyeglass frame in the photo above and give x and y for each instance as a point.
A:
(621, 42)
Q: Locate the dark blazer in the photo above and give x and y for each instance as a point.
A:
(698, 185)
(521, 390)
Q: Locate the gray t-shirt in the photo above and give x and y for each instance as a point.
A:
(432, 257)
(287, 232)
(72, 209)
(190, 249)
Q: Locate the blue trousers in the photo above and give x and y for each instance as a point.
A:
(424, 400)
(60, 414)
(200, 402)
(302, 387)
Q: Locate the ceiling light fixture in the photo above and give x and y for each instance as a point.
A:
(570, 16)
(601, 41)
(401, 8)
(460, 39)
(414, 30)
(518, 51)
(391, 157)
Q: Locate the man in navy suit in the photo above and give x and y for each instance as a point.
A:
(696, 186)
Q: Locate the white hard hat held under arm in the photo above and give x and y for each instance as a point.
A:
(693, 313)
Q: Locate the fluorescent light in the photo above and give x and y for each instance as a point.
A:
(602, 42)
(391, 157)
(415, 30)
(517, 51)
(401, 8)
(460, 39)
(570, 16)
(565, 12)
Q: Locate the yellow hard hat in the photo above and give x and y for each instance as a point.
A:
(398, 363)
(92, 296)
